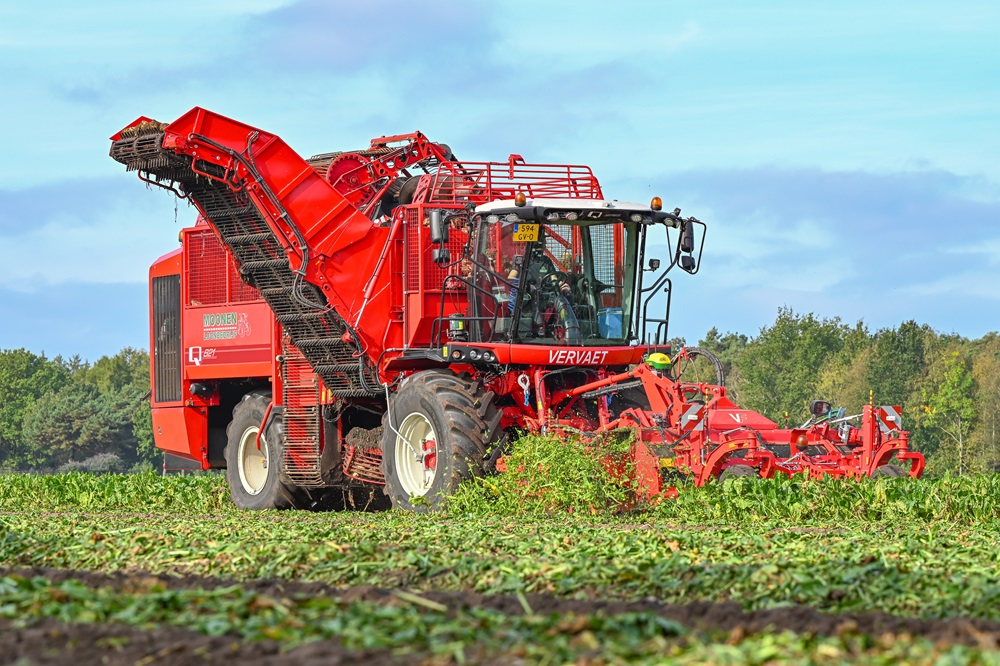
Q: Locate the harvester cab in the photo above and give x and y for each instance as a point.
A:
(563, 272)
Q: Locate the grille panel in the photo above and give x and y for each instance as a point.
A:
(167, 338)
(300, 395)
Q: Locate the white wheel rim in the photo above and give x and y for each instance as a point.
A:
(416, 454)
(253, 462)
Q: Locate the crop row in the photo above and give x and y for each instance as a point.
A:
(411, 625)
(922, 570)
(115, 492)
(967, 500)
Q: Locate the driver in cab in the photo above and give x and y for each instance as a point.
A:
(549, 292)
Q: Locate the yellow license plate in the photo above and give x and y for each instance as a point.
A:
(525, 233)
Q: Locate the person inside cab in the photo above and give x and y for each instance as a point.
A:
(547, 297)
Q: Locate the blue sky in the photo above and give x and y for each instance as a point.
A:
(844, 154)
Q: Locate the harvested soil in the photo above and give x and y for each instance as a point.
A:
(700, 616)
(59, 643)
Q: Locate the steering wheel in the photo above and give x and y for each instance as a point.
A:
(554, 280)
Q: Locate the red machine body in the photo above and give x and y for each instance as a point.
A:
(392, 316)
(220, 332)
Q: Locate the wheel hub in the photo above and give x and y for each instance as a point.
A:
(428, 456)
(252, 462)
(416, 454)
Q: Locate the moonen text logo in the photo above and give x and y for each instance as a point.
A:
(220, 326)
(573, 357)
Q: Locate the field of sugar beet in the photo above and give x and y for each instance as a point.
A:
(152, 570)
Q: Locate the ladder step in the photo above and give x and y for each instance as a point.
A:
(353, 393)
(300, 316)
(336, 367)
(239, 210)
(248, 239)
(250, 266)
(319, 342)
(276, 291)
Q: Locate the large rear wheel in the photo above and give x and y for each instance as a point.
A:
(436, 434)
(254, 473)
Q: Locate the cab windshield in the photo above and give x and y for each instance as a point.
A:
(556, 284)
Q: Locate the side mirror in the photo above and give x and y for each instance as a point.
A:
(654, 264)
(819, 408)
(687, 263)
(687, 237)
(441, 255)
(439, 230)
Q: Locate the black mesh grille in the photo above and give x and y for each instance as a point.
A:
(167, 340)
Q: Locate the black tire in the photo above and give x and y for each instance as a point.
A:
(737, 472)
(890, 471)
(252, 490)
(446, 416)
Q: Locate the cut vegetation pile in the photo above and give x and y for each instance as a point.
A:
(546, 476)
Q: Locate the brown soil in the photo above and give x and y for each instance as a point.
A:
(59, 643)
(703, 616)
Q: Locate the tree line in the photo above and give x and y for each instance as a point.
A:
(67, 414)
(59, 413)
(948, 385)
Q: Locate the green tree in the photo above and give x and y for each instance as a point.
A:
(898, 362)
(24, 378)
(951, 412)
(986, 374)
(78, 422)
(842, 377)
(779, 371)
(728, 348)
(142, 430)
(843, 380)
(110, 373)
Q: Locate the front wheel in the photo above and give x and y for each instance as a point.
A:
(253, 472)
(435, 436)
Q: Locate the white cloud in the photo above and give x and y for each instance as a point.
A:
(880, 247)
(111, 238)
